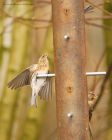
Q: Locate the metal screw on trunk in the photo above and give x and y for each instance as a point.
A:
(66, 37)
(70, 115)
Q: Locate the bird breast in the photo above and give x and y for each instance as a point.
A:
(37, 83)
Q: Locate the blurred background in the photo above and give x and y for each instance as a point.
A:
(25, 34)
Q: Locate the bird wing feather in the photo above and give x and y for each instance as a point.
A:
(22, 79)
(45, 92)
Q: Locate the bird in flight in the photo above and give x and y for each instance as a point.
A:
(41, 86)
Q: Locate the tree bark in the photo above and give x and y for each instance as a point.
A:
(71, 85)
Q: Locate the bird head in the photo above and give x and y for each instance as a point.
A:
(43, 58)
(43, 61)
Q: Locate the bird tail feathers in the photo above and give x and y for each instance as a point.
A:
(33, 100)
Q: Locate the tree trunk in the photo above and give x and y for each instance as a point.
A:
(71, 85)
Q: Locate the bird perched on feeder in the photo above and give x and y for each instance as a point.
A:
(91, 98)
(40, 86)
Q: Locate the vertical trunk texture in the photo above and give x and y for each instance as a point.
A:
(71, 85)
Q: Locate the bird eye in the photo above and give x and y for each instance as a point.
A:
(45, 55)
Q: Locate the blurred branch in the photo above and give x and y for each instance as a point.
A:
(95, 81)
(1, 6)
(101, 9)
(98, 96)
(34, 6)
(21, 20)
(47, 2)
(33, 20)
(7, 25)
(99, 26)
(99, 18)
(96, 100)
(15, 3)
(31, 26)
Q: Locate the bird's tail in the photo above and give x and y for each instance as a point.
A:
(33, 100)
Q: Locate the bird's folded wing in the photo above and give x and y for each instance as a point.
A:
(45, 92)
(20, 80)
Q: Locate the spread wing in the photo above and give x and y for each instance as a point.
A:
(23, 78)
(45, 92)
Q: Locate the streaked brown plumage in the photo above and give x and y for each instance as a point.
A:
(91, 97)
(40, 86)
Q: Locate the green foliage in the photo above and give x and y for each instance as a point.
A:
(108, 43)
